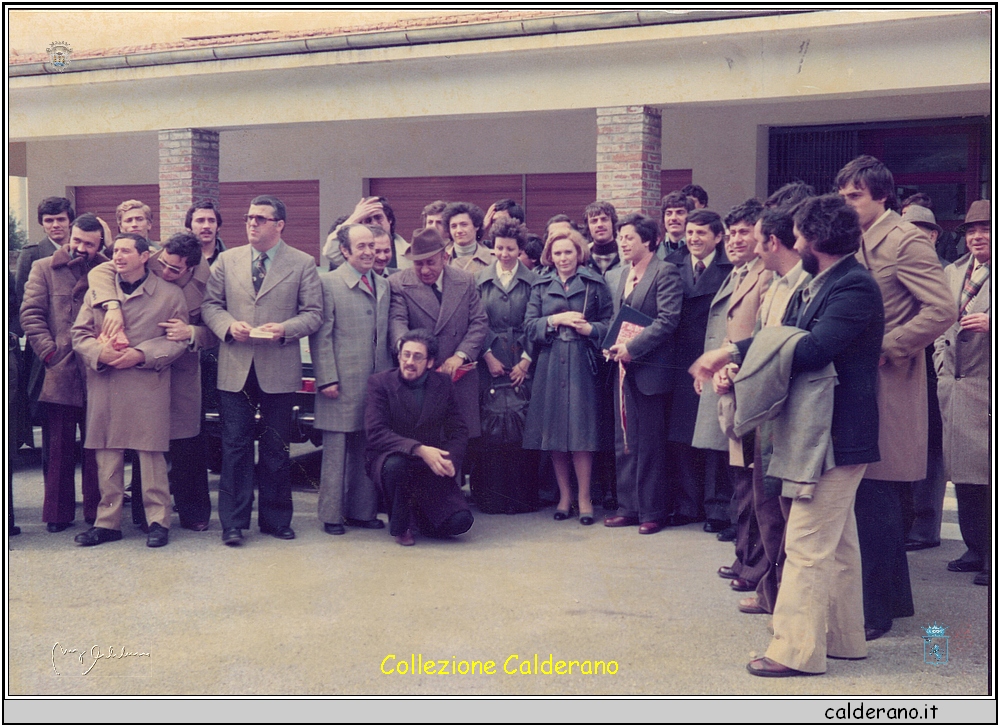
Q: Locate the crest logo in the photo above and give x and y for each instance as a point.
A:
(935, 645)
(59, 53)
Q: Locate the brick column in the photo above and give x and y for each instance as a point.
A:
(189, 171)
(629, 158)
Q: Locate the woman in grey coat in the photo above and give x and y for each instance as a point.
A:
(566, 322)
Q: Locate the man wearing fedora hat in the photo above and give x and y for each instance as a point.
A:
(443, 299)
(962, 359)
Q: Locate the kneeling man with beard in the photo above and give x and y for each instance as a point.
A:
(416, 442)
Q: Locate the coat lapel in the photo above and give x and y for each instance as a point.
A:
(243, 261)
(421, 294)
(642, 288)
(451, 296)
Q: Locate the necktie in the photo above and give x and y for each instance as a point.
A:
(699, 268)
(364, 279)
(437, 292)
(259, 271)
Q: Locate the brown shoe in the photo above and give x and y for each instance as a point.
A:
(650, 528)
(765, 667)
(750, 605)
(742, 584)
(198, 527)
(406, 538)
(620, 521)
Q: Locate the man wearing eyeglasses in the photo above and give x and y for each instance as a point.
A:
(261, 299)
(179, 262)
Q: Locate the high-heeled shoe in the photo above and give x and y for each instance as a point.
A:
(586, 518)
(561, 515)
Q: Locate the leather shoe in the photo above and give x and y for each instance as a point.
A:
(982, 578)
(232, 536)
(650, 528)
(333, 528)
(964, 566)
(558, 515)
(726, 571)
(406, 538)
(58, 527)
(373, 524)
(587, 519)
(282, 533)
(158, 536)
(620, 521)
(750, 605)
(728, 535)
(912, 545)
(765, 667)
(872, 634)
(198, 527)
(742, 584)
(675, 520)
(96, 536)
(715, 526)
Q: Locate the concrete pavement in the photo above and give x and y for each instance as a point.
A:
(329, 615)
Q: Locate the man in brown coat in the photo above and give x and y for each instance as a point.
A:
(128, 390)
(918, 308)
(53, 296)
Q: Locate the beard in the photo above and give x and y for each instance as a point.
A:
(810, 263)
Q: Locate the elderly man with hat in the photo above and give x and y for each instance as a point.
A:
(962, 361)
(444, 300)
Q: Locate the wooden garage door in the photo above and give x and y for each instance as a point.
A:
(301, 198)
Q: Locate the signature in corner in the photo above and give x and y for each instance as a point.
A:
(94, 652)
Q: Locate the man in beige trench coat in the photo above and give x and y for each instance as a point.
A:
(128, 390)
(918, 308)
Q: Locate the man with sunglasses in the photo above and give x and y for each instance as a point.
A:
(261, 299)
(180, 261)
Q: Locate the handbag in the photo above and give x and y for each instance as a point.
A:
(503, 408)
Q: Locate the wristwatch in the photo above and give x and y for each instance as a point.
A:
(112, 305)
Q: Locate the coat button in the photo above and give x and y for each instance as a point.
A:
(368, 312)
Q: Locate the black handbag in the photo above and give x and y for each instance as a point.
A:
(503, 408)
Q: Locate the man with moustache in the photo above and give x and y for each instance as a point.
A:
(53, 297)
(204, 219)
(602, 230)
(674, 209)
(128, 390)
(416, 442)
(383, 253)
(918, 308)
(351, 344)
(260, 300)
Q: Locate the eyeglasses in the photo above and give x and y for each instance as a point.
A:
(173, 268)
(258, 219)
(410, 356)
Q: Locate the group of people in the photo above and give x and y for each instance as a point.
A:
(760, 373)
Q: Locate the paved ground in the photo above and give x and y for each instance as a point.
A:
(321, 614)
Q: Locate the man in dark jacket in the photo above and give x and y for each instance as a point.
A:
(416, 442)
(819, 610)
(703, 268)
